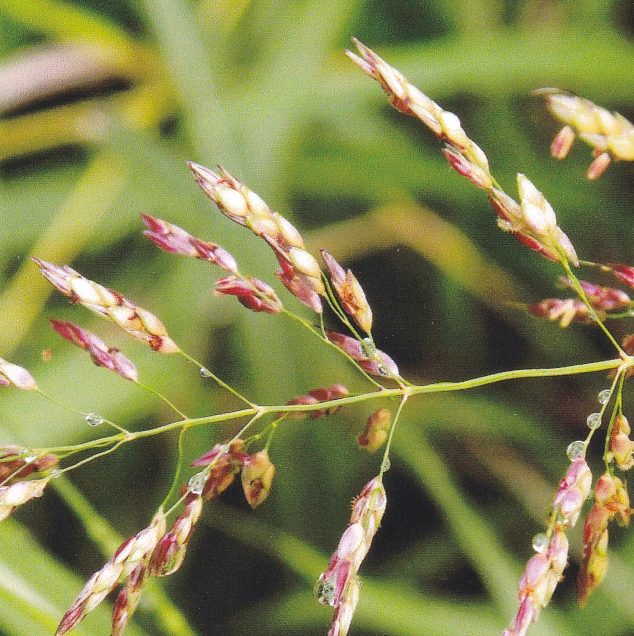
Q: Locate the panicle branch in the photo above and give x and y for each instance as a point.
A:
(339, 585)
(544, 570)
(300, 271)
(532, 221)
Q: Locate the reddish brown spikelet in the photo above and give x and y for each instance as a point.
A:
(253, 293)
(257, 477)
(102, 355)
(338, 586)
(562, 143)
(350, 293)
(13, 375)
(625, 273)
(598, 166)
(175, 240)
(129, 598)
(315, 396)
(169, 553)
(299, 285)
(370, 359)
(463, 166)
(376, 430)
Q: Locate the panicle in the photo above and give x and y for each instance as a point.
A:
(611, 501)
(131, 553)
(350, 293)
(175, 240)
(251, 292)
(315, 396)
(338, 585)
(12, 374)
(18, 493)
(257, 477)
(376, 430)
(300, 271)
(610, 134)
(370, 359)
(135, 321)
(532, 221)
(102, 355)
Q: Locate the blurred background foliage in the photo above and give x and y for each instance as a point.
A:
(101, 104)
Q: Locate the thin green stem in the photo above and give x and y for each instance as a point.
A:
(161, 397)
(179, 468)
(324, 339)
(76, 412)
(385, 463)
(205, 372)
(593, 314)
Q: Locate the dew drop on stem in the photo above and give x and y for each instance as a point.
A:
(576, 450)
(196, 483)
(594, 421)
(604, 396)
(93, 419)
(540, 542)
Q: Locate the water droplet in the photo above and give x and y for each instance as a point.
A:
(325, 591)
(205, 373)
(604, 396)
(387, 464)
(576, 450)
(540, 542)
(29, 458)
(93, 419)
(55, 473)
(383, 371)
(594, 421)
(197, 483)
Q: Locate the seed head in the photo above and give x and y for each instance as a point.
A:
(135, 321)
(338, 586)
